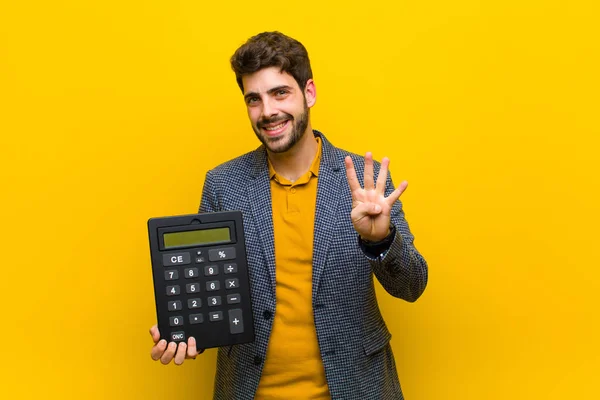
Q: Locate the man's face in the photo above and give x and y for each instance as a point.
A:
(277, 108)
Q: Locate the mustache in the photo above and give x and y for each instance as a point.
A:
(267, 121)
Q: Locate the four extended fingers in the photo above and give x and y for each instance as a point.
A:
(369, 178)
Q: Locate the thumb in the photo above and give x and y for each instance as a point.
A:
(365, 209)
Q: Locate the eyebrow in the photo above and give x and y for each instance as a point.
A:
(270, 91)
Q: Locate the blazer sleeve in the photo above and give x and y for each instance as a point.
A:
(401, 270)
(210, 201)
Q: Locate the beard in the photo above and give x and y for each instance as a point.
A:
(283, 143)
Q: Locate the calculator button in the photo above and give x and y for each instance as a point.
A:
(230, 268)
(176, 321)
(171, 275)
(176, 259)
(196, 319)
(236, 323)
(216, 316)
(200, 260)
(232, 283)
(173, 290)
(199, 253)
(174, 305)
(225, 253)
(233, 298)
(191, 272)
(214, 301)
(177, 336)
(192, 288)
(194, 303)
(212, 286)
(211, 270)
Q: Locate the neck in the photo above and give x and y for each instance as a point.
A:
(293, 163)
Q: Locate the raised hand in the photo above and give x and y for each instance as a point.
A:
(370, 208)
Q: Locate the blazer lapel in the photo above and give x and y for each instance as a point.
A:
(328, 194)
(259, 196)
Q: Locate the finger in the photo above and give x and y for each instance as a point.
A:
(351, 174)
(155, 334)
(158, 350)
(382, 177)
(181, 353)
(369, 183)
(395, 195)
(365, 210)
(191, 349)
(169, 353)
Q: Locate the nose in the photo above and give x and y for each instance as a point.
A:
(268, 110)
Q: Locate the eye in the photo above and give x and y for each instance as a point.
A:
(251, 100)
(281, 92)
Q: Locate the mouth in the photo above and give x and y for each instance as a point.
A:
(274, 130)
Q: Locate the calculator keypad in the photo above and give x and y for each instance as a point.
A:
(212, 283)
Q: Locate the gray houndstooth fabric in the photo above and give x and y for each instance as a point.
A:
(353, 337)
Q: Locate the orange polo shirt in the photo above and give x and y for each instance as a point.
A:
(293, 367)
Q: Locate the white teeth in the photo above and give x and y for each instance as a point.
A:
(274, 128)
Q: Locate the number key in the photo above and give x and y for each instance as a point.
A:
(191, 272)
(211, 270)
(176, 321)
(212, 286)
(174, 305)
(171, 275)
(192, 288)
(194, 303)
(214, 301)
(173, 290)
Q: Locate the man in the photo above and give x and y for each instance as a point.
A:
(314, 239)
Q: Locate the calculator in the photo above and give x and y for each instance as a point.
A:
(200, 273)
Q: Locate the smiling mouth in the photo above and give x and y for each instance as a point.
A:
(276, 129)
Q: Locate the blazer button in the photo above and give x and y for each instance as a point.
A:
(257, 360)
(267, 314)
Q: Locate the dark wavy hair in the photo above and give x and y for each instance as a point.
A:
(272, 49)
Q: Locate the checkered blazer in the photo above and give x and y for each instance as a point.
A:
(353, 337)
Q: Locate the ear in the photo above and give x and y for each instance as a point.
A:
(310, 93)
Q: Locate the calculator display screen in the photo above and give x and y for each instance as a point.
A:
(199, 237)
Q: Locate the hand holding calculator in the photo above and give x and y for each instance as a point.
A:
(201, 283)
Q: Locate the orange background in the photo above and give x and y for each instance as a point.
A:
(111, 112)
